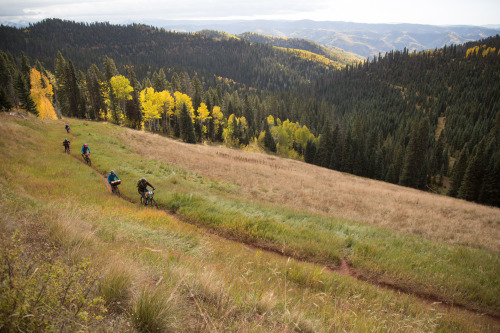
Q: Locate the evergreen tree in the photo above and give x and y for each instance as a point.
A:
(415, 165)
(347, 159)
(75, 99)
(309, 152)
(97, 107)
(132, 110)
(186, 126)
(473, 177)
(490, 191)
(458, 172)
(26, 102)
(6, 84)
(61, 88)
(176, 82)
(159, 81)
(325, 146)
(197, 93)
(268, 138)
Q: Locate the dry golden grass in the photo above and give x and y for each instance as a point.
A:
(199, 281)
(306, 187)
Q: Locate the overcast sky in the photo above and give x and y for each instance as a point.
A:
(436, 12)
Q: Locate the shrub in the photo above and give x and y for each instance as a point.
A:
(38, 292)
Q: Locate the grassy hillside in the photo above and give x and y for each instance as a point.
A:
(147, 269)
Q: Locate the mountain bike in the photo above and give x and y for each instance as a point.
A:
(86, 158)
(114, 187)
(149, 199)
(66, 149)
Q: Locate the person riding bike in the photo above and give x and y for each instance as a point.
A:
(112, 177)
(66, 145)
(114, 181)
(142, 188)
(85, 149)
(67, 128)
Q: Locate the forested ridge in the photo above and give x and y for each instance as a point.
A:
(149, 49)
(428, 120)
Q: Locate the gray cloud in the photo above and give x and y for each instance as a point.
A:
(369, 11)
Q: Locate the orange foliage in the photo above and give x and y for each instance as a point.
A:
(42, 94)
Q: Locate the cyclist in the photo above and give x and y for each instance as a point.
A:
(85, 149)
(142, 188)
(112, 177)
(66, 145)
(67, 128)
(113, 180)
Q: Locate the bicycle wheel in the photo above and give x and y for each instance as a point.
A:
(117, 191)
(153, 203)
(88, 161)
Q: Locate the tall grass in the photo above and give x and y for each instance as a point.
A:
(211, 284)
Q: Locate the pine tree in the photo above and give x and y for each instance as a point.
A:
(23, 94)
(458, 172)
(61, 88)
(309, 152)
(97, 107)
(75, 99)
(198, 92)
(325, 146)
(415, 166)
(268, 138)
(5, 84)
(490, 191)
(132, 111)
(473, 177)
(186, 126)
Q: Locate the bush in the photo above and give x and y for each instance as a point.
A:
(40, 293)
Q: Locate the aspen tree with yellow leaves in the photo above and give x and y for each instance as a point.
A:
(218, 120)
(120, 86)
(41, 93)
(202, 116)
(150, 108)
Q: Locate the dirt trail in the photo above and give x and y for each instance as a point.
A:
(344, 269)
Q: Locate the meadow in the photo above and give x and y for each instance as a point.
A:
(243, 241)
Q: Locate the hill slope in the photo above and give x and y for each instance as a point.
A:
(204, 276)
(148, 49)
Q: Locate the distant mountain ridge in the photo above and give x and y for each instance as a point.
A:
(364, 39)
(334, 54)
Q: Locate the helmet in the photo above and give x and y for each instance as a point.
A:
(143, 179)
(112, 171)
(85, 145)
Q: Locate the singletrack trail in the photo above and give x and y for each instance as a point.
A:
(344, 269)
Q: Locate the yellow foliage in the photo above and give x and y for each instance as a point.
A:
(180, 100)
(482, 50)
(42, 94)
(203, 113)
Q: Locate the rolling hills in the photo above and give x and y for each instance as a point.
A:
(367, 40)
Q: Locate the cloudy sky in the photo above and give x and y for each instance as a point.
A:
(437, 12)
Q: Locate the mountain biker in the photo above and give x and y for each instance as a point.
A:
(85, 149)
(67, 128)
(112, 177)
(142, 188)
(66, 145)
